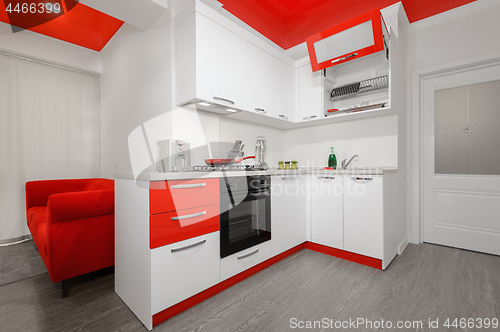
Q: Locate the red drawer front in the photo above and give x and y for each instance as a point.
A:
(169, 196)
(192, 222)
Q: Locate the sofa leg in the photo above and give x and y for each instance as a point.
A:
(66, 286)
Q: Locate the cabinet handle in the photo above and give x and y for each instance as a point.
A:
(364, 179)
(191, 185)
(224, 99)
(261, 110)
(326, 177)
(288, 178)
(344, 58)
(283, 116)
(187, 216)
(189, 246)
(249, 254)
(310, 117)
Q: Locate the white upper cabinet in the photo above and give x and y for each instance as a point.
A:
(211, 63)
(284, 91)
(310, 94)
(259, 80)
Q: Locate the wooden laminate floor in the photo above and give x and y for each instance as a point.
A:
(426, 282)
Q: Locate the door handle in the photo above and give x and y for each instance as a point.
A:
(283, 116)
(249, 254)
(326, 177)
(261, 110)
(361, 178)
(188, 246)
(223, 99)
(310, 117)
(288, 178)
(191, 185)
(344, 58)
(187, 216)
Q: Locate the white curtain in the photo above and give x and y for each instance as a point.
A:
(49, 129)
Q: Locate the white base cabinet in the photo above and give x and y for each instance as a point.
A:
(364, 215)
(183, 269)
(288, 211)
(358, 213)
(245, 259)
(327, 206)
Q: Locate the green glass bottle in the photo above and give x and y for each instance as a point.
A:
(332, 160)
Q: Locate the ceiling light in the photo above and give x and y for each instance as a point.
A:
(204, 104)
(231, 110)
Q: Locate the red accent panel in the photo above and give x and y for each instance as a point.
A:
(288, 23)
(164, 198)
(356, 258)
(163, 230)
(373, 15)
(82, 25)
(202, 296)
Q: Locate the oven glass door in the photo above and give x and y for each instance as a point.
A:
(245, 223)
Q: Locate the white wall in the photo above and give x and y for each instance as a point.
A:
(375, 140)
(455, 38)
(135, 90)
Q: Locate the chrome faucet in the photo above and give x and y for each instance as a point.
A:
(345, 164)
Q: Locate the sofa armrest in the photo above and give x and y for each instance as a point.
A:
(38, 192)
(80, 205)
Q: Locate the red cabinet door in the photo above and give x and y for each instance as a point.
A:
(352, 39)
(168, 196)
(167, 228)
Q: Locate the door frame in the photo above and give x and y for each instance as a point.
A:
(421, 79)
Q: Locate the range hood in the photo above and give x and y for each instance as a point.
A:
(363, 35)
(209, 106)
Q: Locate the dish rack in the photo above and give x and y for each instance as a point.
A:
(372, 84)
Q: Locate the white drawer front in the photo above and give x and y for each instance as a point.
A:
(245, 259)
(183, 269)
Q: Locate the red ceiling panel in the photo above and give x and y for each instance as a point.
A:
(82, 25)
(290, 22)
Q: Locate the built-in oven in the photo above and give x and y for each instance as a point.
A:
(245, 218)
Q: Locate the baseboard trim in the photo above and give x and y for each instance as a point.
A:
(15, 240)
(349, 256)
(402, 246)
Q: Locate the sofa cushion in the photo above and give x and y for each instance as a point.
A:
(99, 184)
(36, 215)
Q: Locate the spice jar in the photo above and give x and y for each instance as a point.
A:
(281, 165)
(287, 165)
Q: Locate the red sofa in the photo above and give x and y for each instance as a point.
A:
(72, 223)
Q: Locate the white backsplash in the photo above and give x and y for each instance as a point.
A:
(374, 140)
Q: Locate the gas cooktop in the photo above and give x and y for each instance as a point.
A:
(220, 168)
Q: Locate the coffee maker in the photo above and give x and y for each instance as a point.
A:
(172, 155)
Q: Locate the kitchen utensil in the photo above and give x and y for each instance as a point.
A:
(237, 147)
(225, 162)
(260, 150)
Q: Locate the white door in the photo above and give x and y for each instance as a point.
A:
(461, 159)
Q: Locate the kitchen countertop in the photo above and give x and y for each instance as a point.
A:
(302, 171)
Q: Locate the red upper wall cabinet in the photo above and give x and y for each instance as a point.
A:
(353, 39)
